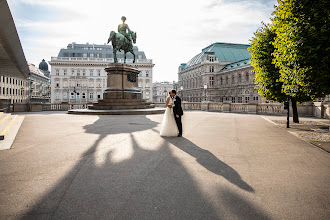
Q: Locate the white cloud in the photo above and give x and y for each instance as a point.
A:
(170, 32)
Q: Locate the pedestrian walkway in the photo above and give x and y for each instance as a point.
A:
(9, 126)
(312, 130)
(226, 166)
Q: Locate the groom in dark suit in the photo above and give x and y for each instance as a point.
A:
(177, 110)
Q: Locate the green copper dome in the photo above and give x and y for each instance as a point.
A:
(43, 65)
(224, 51)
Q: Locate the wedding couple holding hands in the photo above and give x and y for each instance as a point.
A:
(172, 124)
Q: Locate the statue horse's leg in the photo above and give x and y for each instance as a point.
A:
(132, 52)
(125, 57)
(115, 55)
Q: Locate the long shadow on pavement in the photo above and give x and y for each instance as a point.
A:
(210, 162)
(150, 184)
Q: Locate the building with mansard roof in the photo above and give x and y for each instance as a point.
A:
(221, 72)
(78, 75)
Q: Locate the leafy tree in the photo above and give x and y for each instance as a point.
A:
(266, 73)
(297, 42)
(302, 47)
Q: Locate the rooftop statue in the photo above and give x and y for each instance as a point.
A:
(123, 40)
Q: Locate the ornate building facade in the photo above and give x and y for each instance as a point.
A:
(14, 90)
(160, 91)
(221, 72)
(39, 83)
(78, 75)
(35, 88)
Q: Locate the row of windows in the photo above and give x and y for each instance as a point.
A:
(146, 74)
(247, 78)
(195, 82)
(78, 84)
(78, 73)
(232, 99)
(77, 95)
(10, 80)
(10, 91)
(95, 55)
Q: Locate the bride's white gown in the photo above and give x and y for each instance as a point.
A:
(169, 127)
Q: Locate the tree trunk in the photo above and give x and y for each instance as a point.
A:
(295, 111)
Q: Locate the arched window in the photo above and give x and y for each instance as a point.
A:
(247, 77)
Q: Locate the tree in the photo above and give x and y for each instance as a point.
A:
(266, 73)
(299, 34)
(302, 47)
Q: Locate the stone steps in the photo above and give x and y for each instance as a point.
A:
(117, 107)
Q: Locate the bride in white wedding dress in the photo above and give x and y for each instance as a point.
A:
(169, 127)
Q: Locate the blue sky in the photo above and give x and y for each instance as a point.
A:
(169, 32)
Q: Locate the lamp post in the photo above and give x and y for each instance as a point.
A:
(205, 88)
(22, 93)
(181, 89)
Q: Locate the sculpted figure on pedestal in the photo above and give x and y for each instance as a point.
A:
(123, 40)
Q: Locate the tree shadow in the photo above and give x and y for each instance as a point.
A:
(150, 184)
(210, 162)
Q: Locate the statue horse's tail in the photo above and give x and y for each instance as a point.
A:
(112, 36)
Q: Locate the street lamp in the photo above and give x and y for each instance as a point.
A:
(205, 88)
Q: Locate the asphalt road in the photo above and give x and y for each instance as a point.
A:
(226, 166)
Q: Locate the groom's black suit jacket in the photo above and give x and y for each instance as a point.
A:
(177, 109)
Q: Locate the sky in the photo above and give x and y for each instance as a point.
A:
(170, 32)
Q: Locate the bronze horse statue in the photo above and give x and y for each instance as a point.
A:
(121, 42)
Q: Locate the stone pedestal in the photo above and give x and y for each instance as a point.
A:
(122, 91)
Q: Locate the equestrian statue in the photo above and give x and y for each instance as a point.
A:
(123, 40)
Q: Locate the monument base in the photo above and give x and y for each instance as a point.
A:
(122, 93)
(117, 112)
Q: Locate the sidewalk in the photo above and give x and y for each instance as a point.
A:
(312, 130)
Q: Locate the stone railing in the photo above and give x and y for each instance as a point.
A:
(215, 106)
(317, 109)
(52, 107)
(308, 109)
(191, 105)
(37, 107)
(239, 107)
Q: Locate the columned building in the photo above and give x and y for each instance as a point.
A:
(78, 75)
(161, 91)
(221, 72)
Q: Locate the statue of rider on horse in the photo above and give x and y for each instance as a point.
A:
(123, 40)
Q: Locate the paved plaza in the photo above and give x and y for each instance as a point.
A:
(226, 166)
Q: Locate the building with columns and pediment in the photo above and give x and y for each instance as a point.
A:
(78, 75)
(221, 72)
